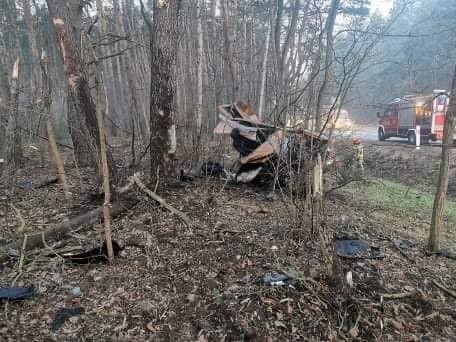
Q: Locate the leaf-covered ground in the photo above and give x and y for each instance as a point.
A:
(178, 283)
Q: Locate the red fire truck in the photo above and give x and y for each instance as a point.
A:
(403, 115)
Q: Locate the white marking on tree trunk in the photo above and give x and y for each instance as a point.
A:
(15, 74)
(172, 139)
(58, 21)
(73, 80)
(162, 3)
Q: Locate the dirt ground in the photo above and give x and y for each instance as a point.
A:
(201, 283)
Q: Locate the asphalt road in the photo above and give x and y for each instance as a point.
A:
(365, 133)
(368, 134)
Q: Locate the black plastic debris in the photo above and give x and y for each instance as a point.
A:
(15, 293)
(274, 278)
(64, 314)
(213, 169)
(357, 249)
(94, 255)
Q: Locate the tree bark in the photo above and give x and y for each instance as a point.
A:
(4, 108)
(30, 30)
(263, 73)
(162, 88)
(442, 185)
(119, 62)
(87, 140)
(13, 136)
(103, 153)
(46, 98)
(229, 8)
(200, 53)
(330, 22)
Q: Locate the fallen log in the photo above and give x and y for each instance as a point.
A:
(59, 230)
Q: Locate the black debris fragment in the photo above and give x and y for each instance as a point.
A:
(64, 314)
(212, 169)
(94, 255)
(15, 293)
(357, 249)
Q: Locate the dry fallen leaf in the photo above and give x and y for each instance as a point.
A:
(280, 324)
(150, 326)
(354, 332)
(269, 301)
(396, 309)
(289, 308)
(202, 338)
(397, 325)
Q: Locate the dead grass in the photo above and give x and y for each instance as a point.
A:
(409, 205)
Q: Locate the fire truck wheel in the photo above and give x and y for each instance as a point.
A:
(411, 138)
(381, 134)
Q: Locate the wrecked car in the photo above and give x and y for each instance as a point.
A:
(267, 153)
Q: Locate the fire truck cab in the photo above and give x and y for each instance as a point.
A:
(403, 115)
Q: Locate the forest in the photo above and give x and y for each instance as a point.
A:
(223, 170)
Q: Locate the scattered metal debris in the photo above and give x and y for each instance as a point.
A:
(274, 278)
(76, 291)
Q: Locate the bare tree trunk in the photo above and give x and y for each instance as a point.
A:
(32, 39)
(214, 66)
(263, 72)
(330, 22)
(107, 72)
(30, 29)
(120, 61)
(200, 53)
(442, 185)
(229, 9)
(104, 157)
(12, 31)
(79, 92)
(162, 88)
(46, 98)
(4, 108)
(13, 135)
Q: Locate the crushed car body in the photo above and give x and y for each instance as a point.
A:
(267, 152)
